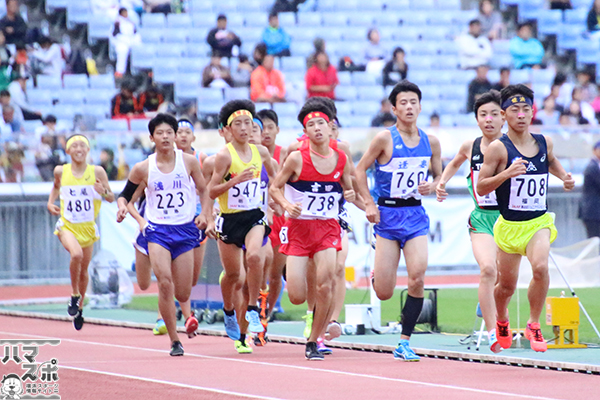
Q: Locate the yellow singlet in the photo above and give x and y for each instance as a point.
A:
(246, 195)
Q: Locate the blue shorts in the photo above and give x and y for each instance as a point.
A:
(402, 223)
(178, 239)
(141, 244)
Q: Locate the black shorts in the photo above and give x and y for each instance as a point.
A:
(233, 228)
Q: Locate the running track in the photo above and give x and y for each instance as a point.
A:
(103, 362)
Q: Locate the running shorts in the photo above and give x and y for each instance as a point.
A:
(305, 237)
(233, 228)
(512, 237)
(402, 223)
(482, 221)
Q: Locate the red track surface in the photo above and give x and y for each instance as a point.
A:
(46, 291)
(102, 362)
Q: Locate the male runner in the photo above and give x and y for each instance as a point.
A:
(481, 222)
(402, 154)
(315, 178)
(516, 166)
(236, 183)
(81, 188)
(169, 176)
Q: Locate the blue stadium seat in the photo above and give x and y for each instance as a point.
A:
(363, 79)
(418, 77)
(210, 107)
(66, 112)
(582, 4)
(347, 5)
(447, 120)
(49, 82)
(134, 156)
(365, 107)
(225, 6)
(193, 65)
(463, 17)
(100, 96)
(166, 50)
(430, 92)
(343, 107)
(258, 20)
(462, 77)
(31, 126)
(153, 20)
(445, 18)
(346, 93)
(361, 18)
(175, 35)
(448, 47)
(387, 33)
(164, 72)
(204, 20)
(440, 77)
(136, 125)
(545, 76)
(448, 5)
(359, 121)
(194, 50)
(549, 21)
(78, 12)
(335, 19)
(302, 48)
(435, 33)
(465, 119)
(304, 34)
(332, 33)
(387, 19)
(41, 96)
(76, 81)
(75, 97)
(99, 28)
(407, 33)
(293, 64)
(287, 19)
(179, 20)
(355, 34)
(100, 111)
(570, 37)
(310, 19)
(394, 5)
(371, 5)
(200, 6)
(414, 18)
(210, 94)
(520, 76)
(345, 78)
(197, 35)
(235, 21)
(114, 125)
(530, 9)
(188, 79)
(371, 93)
(237, 93)
(286, 110)
(501, 46)
(52, 5)
(249, 34)
(426, 48)
(151, 35)
(250, 6)
(185, 92)
(142, 57)
(453, 92)
(502, 60)
(445, 62)
(263, 106)
(423, 4)
(577, 16)
(327, 5)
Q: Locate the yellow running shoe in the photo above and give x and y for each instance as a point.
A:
(242, 348)
(160, 328)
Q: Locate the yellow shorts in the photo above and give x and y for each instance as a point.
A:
(512, 237)
(86, 235)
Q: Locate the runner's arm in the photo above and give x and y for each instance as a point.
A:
(102, 186)
(556, 168)
(292, 164)
(426, 188)
(221, 165)
(492, 174)
(267, 161)
(55, 192)
(346, 182)
(452, 167)
(376, 148)
(196, 173)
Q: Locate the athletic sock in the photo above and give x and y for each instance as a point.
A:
(253, 308)
(243, 338)
(410, 314)
(229, 313)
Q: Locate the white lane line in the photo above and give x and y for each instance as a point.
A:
(177, 384)
(312, 369)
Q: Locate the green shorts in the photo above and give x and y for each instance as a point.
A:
(482, 221)
(512, 237)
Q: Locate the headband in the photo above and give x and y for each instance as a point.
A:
(184, 123)
(259, 123)
(75, 138)
(236, 114)
(517, 99)
(316, 114)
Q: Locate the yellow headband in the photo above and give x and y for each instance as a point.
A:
(236, 114)
(75, 138)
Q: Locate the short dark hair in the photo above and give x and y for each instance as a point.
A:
(493, 96)
(235, 105)
(388, 118)
(474, 21)
(221, 17)
(4, 93)
(404, 86)
(121, 10)
(49, 119)
(524, 24)
(162, 119)
(513, 90)
(436, 115)
(273, 14)
(321, 104)
(45, 40)
(504, 69)
(268, 114)
(398, 50)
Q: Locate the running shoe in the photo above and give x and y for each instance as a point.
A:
(322, 348)
(231, 326)
(533, 333)
(262, 299)
(191, 324)
(494, 344)
(312, 352)
(404, 352)
(504, 334)
(78, 320)
(160, 328)
(242, 348)
(261, 338)
(478, 311)
(254, 325)
(334, 330)
(176, 349)
(308, 320)
(73, 306)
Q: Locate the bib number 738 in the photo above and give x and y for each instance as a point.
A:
(320, 205)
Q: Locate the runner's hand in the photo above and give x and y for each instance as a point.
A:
(246, 175)
(99, 187)
(517, 168)
(568, 182)
(294, 210)
(122, 213)
(440, 192)
(54, 209)
(425, 188)
(200, 222)
(211, 230)
(372, 213)
(349, 195)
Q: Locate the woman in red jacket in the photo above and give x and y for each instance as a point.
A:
(321, 78)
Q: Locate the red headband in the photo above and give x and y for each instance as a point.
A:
(316, 114)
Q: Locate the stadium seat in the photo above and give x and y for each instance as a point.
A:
(358, 121)
(286, 110)
(345, 78)
(153, 20)
(354, 34)
(249, 34)
(114, 125)
(49, 82)
(287, 19)
(549, 22)
(42, 96)
(173, 50)
(304, 34)
(347, 5)
(100, 96)
(530, 9)
(435, 33)
(447, 120)
(407, 33)
(225, 6)
(100, 111)
(588, 52)
(444, 19)
(426, 48)
(448, 5)
(414, 18)
(335, 19)
(151, 35)
(75, 81)
(420, 63)
(293, 64)
(138, 125)
(78, 12)
(257, 20)
(423, 4)
(237, 93)
(263, 106)
(31, 126)
(365, 107)
(445, 62)
(343, 107)
(75, 97)
(179, 20)
(395, 5)
(332, 33)
(363, 79)
(545, 76)
(204, 20)
(453, 92)
(66, 112)
(197, 35)
(250, 6)
(189, 79)
(99, 28)
(576, 17)
(501, 46)
(346, 93)
(372, 93)
(52, 5)
(441, 77)
(463, 17)
(303, 49)
(175, 35)
(387, 19)
(502, 60)
(463, 77)
(164, 72)
(143, 56)
(186, 92)
(195, 50)
(430, 92)
(570, 36)
(465, 119)
(193, 65)
(362, 18)
(371, 5)
(210, 95)
(200, 6)
(418, 77)
(310, 19)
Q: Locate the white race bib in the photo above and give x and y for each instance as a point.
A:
(405, 180)
(264, 197)
(78, 203)
(324, 205)
(245, 195)
(528, 192)
(484, 201)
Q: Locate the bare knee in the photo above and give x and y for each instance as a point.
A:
(182, 295)
(297, 298)
(416, 283)
(383, 292)
(506, 289)
(253, 259)
(488, 272)
(143, 285)
(77, 256)
(165, 286)
(540, 271)
(340, 271)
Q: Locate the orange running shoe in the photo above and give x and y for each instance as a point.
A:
(533, 333)
(191, 325)
(503, 334)
(262, 298)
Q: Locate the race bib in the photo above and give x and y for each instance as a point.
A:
(245, 195)
(169, 203)
(283, 236)
(528, 192)
(483, 201)
(323, 205)
(78, 203)
(264, 197)
(406, 178)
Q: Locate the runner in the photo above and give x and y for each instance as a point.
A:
(516, 166)
(481, 222)
(81, 188)
(402, 154)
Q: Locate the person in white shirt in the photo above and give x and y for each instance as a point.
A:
(473, 48)
(48, 59)
(125, 36)
(17, 90)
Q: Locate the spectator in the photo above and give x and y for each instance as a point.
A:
(375, 53)
(12, 163)
(276, 39)
(384, 115)
(560, 5)
(589, 90)
(13, 25)
(124, 36)
(565, 119)
(589, 206)
(548, 115)
(561, 90)
(266, 83)
(10, 129)
(478, 86)
(158, 6)
(18, 94)
(491, 22)
(50, 151)
(319, 45)
(577, 117)
(221, 40)
(434, 120)
(260, 51)
(586, 109)
(321, 78)
(474, 49)
(5, 60)
(396, 69)
(216, 75)
(242, 73)
(526, 51)
(150, 100)
(48, 59)
(593, 20)
(107, 161)
(504, 79)
(286, 5)
(124, 104)
(6, 101)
